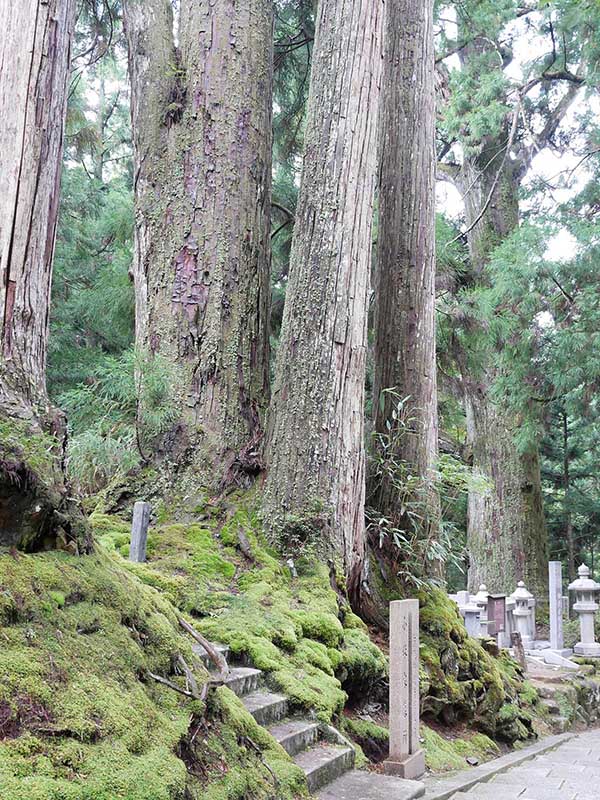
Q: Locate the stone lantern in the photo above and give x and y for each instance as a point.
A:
(522, 613)
(481, 601)
(585, 590)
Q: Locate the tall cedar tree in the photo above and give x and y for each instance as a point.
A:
(201, 115)
(506, 535)
(405, 353)
(35, 56)
(316, 464)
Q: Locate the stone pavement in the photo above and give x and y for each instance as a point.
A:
(569, 771)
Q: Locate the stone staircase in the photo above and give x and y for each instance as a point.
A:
(322, 752)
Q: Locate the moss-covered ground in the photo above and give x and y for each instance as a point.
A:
(82, 719)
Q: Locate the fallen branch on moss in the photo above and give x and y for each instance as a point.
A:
(256, 748)
(191, 680)
(171, 685)
(214, 655)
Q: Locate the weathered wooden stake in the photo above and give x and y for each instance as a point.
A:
(139, 531)
(406, 757)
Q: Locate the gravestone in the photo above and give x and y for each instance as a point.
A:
(557, 642)
(406, 758)
(139, 532)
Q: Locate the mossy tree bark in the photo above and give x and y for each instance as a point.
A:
(506, 530)
(34, 73)
(405, 352)
(315, 481)
(201, 113)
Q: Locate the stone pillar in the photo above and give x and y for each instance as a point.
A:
(472, 616)
(557, 641)
(585, 590)
(139, 531)
(522, 613)
(463, 598)
(406, 758)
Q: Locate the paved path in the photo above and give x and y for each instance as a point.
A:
(570, 772)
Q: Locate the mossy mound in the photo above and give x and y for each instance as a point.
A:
(461, 681)
(244, 595)
(442, 753)
(81, 718)
(36, 512)
(445, 754)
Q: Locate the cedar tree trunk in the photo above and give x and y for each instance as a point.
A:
(405, 352)
(506, 530)
(316, 466)
(34, 72)
(201, 114)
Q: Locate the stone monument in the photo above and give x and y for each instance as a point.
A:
(406, 758)
(557, 642)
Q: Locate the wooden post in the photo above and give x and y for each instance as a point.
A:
(139, 532)
(406, 758)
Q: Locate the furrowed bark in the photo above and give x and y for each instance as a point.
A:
(201, 114)
(314, 490)
(405, 353)
(34, 72)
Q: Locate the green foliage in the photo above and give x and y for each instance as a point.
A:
(124, 405)
(408, 532)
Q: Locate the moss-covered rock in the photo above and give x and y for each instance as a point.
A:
(461, 681)
(81, 718)
(36, 512)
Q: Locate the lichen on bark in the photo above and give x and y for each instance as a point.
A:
(315, 454)
(201, 113)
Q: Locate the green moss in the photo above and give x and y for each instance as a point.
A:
(443, 755)
(83, 718)
(21, 441)
(323, 626)
(362, 664)
(247, 774)
(86, 722)
(461, 681)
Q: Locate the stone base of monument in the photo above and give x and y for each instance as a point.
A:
(587, 650)
(410, 767)
(566, 652)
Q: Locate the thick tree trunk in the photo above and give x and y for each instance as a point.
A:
(315, 482)
(34, 73)
(506, 530)
(405, 353)
(201, 114)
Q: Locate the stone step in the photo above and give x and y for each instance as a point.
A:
(243, 680)
(266, 707)
(551, 705)
(205, 658)
(324, 763)
(295, 735)
(355, 785)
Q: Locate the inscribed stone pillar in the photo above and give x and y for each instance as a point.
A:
(556, 609)
(406, 757)
(139, 532)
